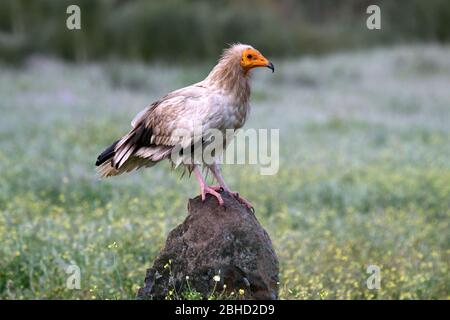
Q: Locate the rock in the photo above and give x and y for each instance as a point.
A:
(215, 240)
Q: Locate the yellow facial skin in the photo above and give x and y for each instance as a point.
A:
(252, 58)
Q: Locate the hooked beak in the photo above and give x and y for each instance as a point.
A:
(271, 66)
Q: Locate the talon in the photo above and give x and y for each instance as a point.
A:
(217, 188)
(213, 192)
(243, 201)
(204, 188)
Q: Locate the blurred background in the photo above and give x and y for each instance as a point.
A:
(195, 29)
(364, 120)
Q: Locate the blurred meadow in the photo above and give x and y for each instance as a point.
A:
(364, 174)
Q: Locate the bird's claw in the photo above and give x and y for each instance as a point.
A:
(242, 200)
(212, 192)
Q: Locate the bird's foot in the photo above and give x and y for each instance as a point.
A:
(211, 190)
(242, 200)
(234, 194)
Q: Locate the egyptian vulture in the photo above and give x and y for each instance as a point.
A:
(220, 101)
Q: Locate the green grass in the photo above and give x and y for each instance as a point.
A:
(364, 176)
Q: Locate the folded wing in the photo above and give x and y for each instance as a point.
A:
(178, 119)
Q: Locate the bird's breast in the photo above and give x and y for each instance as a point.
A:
(233, 114)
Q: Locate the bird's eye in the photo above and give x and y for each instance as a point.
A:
(249, 56)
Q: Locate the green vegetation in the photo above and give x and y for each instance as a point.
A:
(199, 29)
(364, 175)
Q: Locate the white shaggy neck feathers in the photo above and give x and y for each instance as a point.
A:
(228, 74)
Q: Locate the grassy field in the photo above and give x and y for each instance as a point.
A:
(364, 175)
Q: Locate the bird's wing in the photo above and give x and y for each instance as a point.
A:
(193, 91)
(178, 119)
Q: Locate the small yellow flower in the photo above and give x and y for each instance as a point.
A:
(113, 245)
(241, 292)
(216, 278)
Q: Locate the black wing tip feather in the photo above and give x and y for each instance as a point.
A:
(107, 154)
(99, 162)
(139, 137)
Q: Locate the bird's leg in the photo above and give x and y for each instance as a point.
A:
(215, 169)
(204, 188)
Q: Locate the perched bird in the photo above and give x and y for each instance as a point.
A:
(220, 101)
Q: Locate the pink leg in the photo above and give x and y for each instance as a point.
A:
(222, 185)
(204, 188)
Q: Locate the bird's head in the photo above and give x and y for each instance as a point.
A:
(232, 69)
(252, 58)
